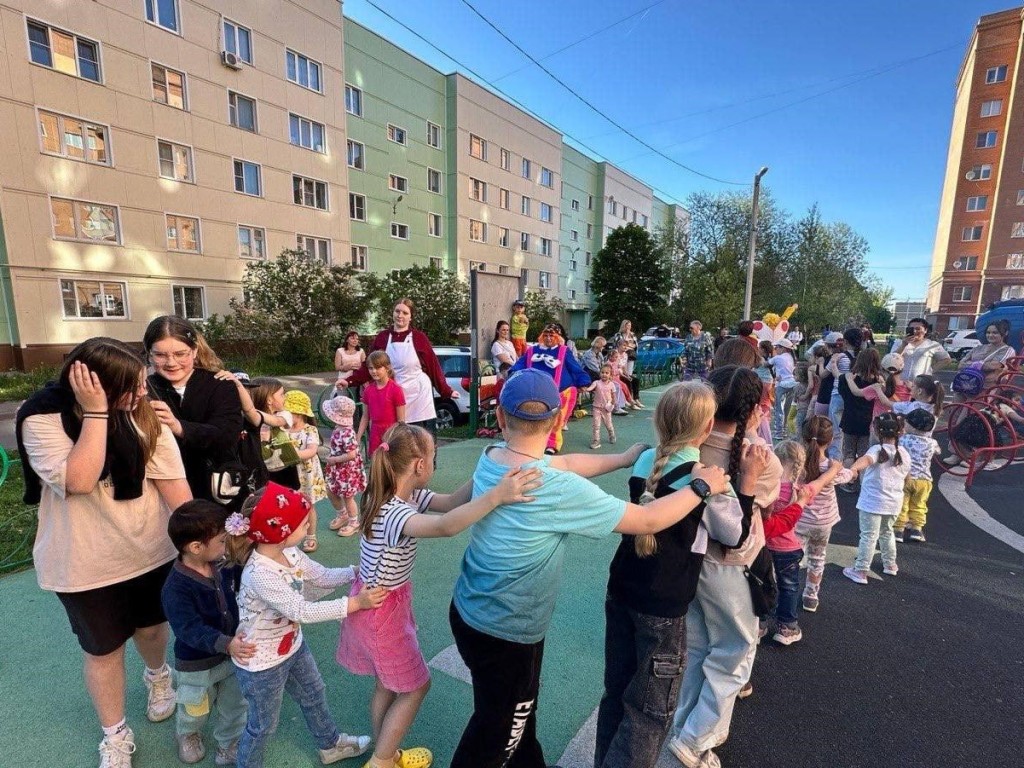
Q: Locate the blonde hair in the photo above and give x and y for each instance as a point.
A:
(238, 549)
(680, 418)
(380, 359)
(405, 443)
(793, 457)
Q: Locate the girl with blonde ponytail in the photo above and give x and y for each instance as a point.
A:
(382, 641)
(652, 580)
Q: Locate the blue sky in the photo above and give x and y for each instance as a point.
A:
(871, 152)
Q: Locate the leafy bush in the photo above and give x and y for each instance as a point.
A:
(441, 298)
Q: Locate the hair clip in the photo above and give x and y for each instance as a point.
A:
(383, 447)
(237, 524)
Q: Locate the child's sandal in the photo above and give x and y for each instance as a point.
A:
(417, 757)
(349, 528)
(309, 544)
(338, 523)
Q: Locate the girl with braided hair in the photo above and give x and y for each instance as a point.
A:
(722, 628)
(652, 580)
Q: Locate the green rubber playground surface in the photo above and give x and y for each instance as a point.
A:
(46, 718)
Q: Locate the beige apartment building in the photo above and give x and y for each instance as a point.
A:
(154, 148)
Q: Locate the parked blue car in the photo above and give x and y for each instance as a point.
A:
(658, 355)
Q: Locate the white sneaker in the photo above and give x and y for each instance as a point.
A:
(346, 747)
(161, 698)
(858, 577)
(891, 570)
(691, 758)
(117, 753)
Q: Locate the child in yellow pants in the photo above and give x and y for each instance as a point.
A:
(917, 439)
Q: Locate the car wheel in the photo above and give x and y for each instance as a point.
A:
(447, 414)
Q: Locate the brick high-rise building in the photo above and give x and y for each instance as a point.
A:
(979, 244)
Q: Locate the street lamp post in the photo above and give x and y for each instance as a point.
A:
(753, 244)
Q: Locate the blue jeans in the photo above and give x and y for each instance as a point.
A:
(787, 574)
(835, 414)
(643, 669)
(264, 691)
(784, 393)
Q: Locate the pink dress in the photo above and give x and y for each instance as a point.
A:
(348, 479)
(381, 407)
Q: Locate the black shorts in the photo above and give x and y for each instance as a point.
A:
(104, 619)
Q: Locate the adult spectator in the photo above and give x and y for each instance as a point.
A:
(869, 337)
(919, 352)
(698, 351)
(203, 412)
(625, 339)
(594, 358)
(503, 352)
(348, 358)
(721, 338)
(992, 355)
(106, 475)
(417, 369)
(796, 338)
(745, 330)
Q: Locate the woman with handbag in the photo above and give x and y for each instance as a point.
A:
(203, 413)
(626, 337)
(986, 362)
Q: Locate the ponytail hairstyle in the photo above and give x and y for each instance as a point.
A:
(380, 359)
(682, 414)
(889, 426)
(264, 388)
(817, 435)
(180, 329)
(239, 547)
(793, 457)
(401, 445)
(738, 393)
(934, 390)
(868, 365)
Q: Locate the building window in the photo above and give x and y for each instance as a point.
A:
(956, 322)
(74, 138)
(434, 224)
(980, 202)
(525, 207)
(248, 178)
(182, 233)
(503, 199)
(252, 242)
(189, 301)
(356, 207)
(397, 183)
(242, 111)
(995, 74)
(399, 231)
(625, 212)
(590, 202)
(433, 135)
(547, 178)
(544, 279)
(573, 265)
(356, 151)
(315, 248)
(175, 161)
(436, 262)
(545, 246)
(503, 237)
(1018, 229)
(574, 235)
(163, 13)
(590, 230)
(396, 134)
(545, 212)
(962, 292)
(478, 190)
(433, 181)
(80, 220)
(1015, 261)
(527, 169)
(359, 253)
(238, 40)
(991, 108)
(586, 258)
(477, 231)
(477, 266)
(524, 241)
(586, 286)
(613, 208)
(88, 299)
(306, 133)
(985, 139)
(506, 160)
(1012, 292)
(309, 192)
(353, 100)
(524, 273)
(303, 71)
(572, 294)
(971, 233)
(502, 269)
(575, 205)
(169, 87)
(980, 173)
(966, 263)
(477, 147)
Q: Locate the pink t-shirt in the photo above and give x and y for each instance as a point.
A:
(604, 395)
(902, 393)
(877, 406)
(381, 406)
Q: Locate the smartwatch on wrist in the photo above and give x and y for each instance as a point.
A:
(700, 487)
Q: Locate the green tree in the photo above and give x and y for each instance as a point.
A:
(630, 278)
(542, 309)
(440, 296)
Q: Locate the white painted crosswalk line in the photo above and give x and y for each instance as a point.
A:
(450, 662)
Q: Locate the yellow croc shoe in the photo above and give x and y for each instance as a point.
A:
(417, 757)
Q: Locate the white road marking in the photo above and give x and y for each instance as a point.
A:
(450, 662)
(953, 490)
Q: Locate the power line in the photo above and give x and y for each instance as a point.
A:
(583, 39)
(622, 128)
(665, 195)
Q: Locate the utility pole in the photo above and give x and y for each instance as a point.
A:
(753, 244)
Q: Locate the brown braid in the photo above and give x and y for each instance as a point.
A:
(738, 392)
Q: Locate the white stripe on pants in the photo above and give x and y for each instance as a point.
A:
(721, 639)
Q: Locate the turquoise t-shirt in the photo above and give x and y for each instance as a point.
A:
(643, 465)
(512, 568)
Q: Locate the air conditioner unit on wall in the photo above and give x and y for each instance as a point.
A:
(229, 59)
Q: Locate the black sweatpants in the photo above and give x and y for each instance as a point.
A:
(502, 733)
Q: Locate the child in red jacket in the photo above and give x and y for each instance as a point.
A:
(783, 544)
